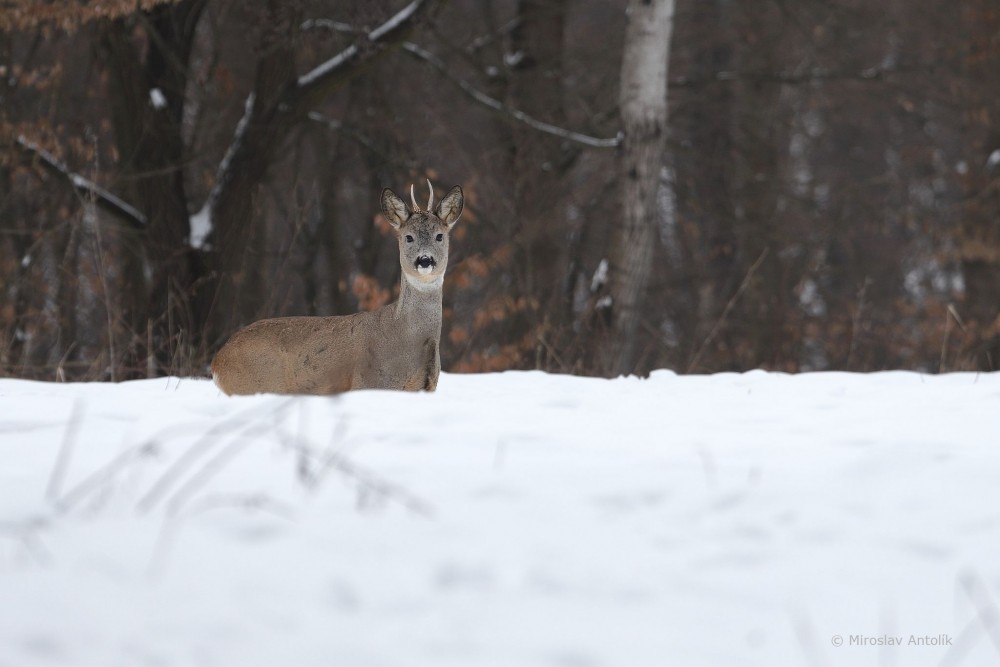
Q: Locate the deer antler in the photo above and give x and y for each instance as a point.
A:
(413, 200)
(430, 200)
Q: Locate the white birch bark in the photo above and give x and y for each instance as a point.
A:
(643, 100)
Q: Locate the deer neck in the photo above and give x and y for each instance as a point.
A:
(420, 305)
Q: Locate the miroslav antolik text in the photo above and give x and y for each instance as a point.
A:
(899, 640)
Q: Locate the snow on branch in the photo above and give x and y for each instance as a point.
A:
(293, 102)
(336, 26)
(222, 171)
(104, 199)
(201, 224)
(500, 107)
(391, 31)
(397, 21)
(328, 66)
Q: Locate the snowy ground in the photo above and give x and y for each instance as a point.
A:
(516, 519)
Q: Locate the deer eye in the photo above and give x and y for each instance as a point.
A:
(409, 239)
(440, 237)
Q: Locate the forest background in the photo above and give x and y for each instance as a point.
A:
(705, 186)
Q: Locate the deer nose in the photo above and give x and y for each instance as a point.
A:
(425, 261)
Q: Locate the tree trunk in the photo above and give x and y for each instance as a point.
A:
(536, 88)
(752, 335)
(235, 294)
(643, 101)
(704, 272)
(979, 232)
(147, 105)
(280, 101)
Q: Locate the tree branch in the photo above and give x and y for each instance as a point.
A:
(351, 132)
(487, 39)
(725, 311)
(328, 24)
(331, 73)
(870, 74)
(503, 109)
(301, 94)
(103, 199)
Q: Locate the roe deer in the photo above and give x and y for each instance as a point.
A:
(394, 347)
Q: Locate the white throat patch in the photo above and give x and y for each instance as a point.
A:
(422, 284)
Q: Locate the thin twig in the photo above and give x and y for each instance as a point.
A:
(312, 467)
(376, 41)
(948, 315)
(330, 24)
(251, 502)
(353, 133)
(103, 272)
(986, 609)
(198, 448)
(503, 109)
(372, 483)
(65, 451)
(27, 535)
(725, 311)
(871, 74)
(807, 636)
(484, 40)
(987, 619)
(61, 366)
(100, 478)
(211, 468)
(164, 540)
(856, 321)
(102, 198)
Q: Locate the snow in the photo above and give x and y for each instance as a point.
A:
(513, 59)
(379, 33)
(157, 99)
(600, 275)
(241, 128)
(994, 159)
(327, 66)
(201, 222)
(401, 17)
(507, 519)
(201, 227)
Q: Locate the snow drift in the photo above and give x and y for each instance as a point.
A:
(508, 519)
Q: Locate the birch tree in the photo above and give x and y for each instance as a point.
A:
(643, 99)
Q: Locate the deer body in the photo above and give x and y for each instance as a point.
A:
(394, 347)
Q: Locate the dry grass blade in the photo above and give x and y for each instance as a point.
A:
(61, 465)
(725, 311)
(199, 448)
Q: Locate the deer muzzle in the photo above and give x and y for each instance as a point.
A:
(425, 264)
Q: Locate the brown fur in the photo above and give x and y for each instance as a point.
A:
(394, 347)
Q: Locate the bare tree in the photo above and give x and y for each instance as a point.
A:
(643, 100)
(826, 196)
(979, 232)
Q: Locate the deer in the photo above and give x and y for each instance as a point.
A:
(394, 347)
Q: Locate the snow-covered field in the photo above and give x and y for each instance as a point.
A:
(515, 519)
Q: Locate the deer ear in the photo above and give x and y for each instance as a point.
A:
(394, 209)
(450, 208)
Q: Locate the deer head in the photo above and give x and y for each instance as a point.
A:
(423, 233)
